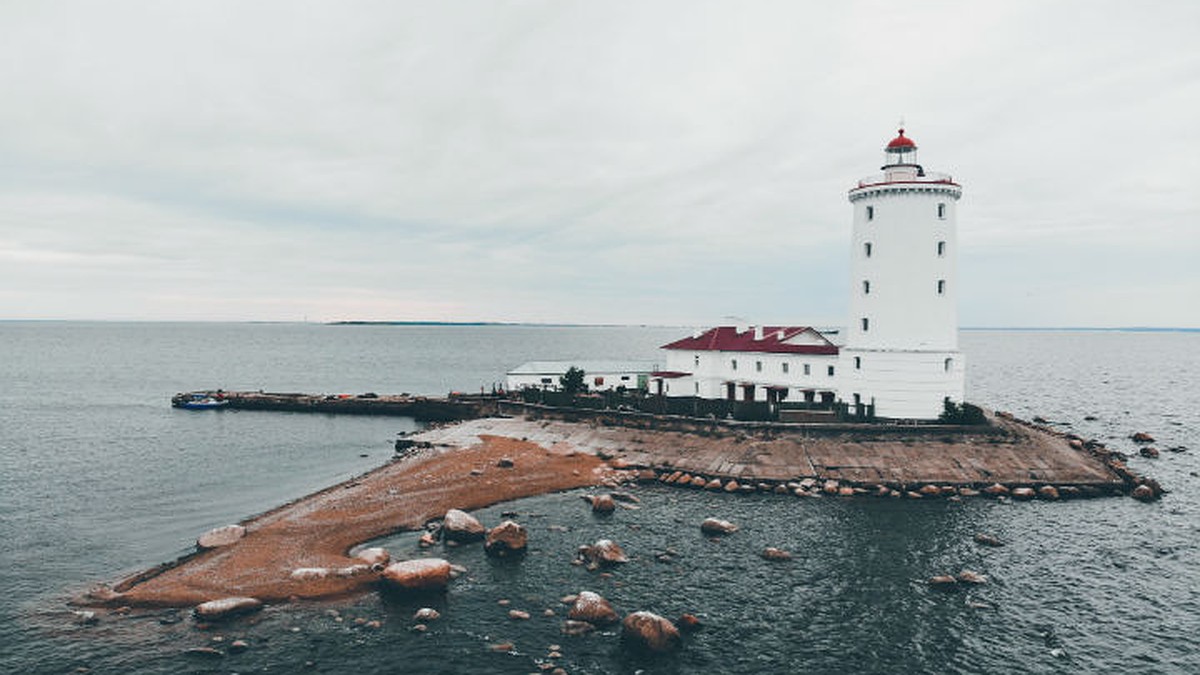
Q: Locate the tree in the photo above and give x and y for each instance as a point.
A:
(572, 382)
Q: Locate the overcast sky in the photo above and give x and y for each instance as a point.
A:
(602, 162)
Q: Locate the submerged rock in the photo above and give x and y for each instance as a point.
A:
(1048, 492)
(427, 614)
(1142, 437)
(221, 536)
(506, 539)
(225, 608)
(604, 552)
(943, 581)
(593, 608)
(717, 526)
(987, 539)
(776, 554)
(969, 577)
(423, 574)
(461, 526)
(573, 627)
(1149, 452)
(650, 632)
(1144, 493)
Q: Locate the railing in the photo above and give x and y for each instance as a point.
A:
(926, 177)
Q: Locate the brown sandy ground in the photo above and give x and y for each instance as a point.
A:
(319, 530)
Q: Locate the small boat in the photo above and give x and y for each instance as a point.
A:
(200, 402)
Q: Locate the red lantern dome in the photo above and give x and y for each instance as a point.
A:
(901, 143)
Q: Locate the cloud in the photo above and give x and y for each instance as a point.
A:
(558, 161)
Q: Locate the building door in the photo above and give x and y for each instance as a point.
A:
(747, 392)
(730, 391)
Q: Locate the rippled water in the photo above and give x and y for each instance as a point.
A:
(100, 477)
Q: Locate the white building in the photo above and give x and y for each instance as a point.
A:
(901, 344)
(750, 363)
(901, 352)
(598, 375)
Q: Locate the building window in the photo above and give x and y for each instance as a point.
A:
(942, 211)
(696, 360)
(870, 213)
(785, 367)
(733, 364)
(831, 371)
(697, 385)
(941, 248)
(858, 363)
(807, 369)
(624, 378)
(866, 324)
(546, 380)
(866, 287)
(758, 366)
(941, 286)
(599, 381)
(867, 249)
(948, 365)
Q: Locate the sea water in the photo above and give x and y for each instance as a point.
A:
(99, 477)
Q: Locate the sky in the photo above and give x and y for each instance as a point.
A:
(667, 163)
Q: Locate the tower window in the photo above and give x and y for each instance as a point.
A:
(867, 249)
(858, 363)
(830, 371)
(941, 248)
(948, 364)
(733, 364)
(866, 324)
(941, 211)
(696, 360)
(866, 287)
(758, 366)
(870, 213)
(785, 367)
(807, 369)
(941, 286)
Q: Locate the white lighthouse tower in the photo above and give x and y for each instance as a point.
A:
(901, 351)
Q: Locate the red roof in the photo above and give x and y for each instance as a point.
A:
(669, 374)
(775, 340)
(901, 143)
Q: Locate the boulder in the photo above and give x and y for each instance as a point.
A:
(221, 536)
(995, 490)
(930, 491)
(1149, 452)
(604, 552)
(309, 573)
(1023, 493)
(461, 526)
(427, 539)
(845, 491)
(699, 481)
(423, 574)
(592, 608)
(777, 554)
(1144, 493)
(225, 608)
(1076, 443)
(1049, 493)
(572, 627)
(987, 539)
(506, 539)
(830, 487)
(732, 486)
(505, 463)
(968, 492)
(649, 632)
(427, 614)
(717, 526)
(714, 485)
(1142, 437)
(518, 615)
(969, 577)
(943, 581)
(374, 556)
(603, 503)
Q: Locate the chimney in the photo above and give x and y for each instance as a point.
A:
(758, 333)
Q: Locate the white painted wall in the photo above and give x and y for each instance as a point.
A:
(712, 369)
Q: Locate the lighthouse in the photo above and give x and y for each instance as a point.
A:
(900, 357)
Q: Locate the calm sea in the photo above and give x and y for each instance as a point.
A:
(100, 477)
